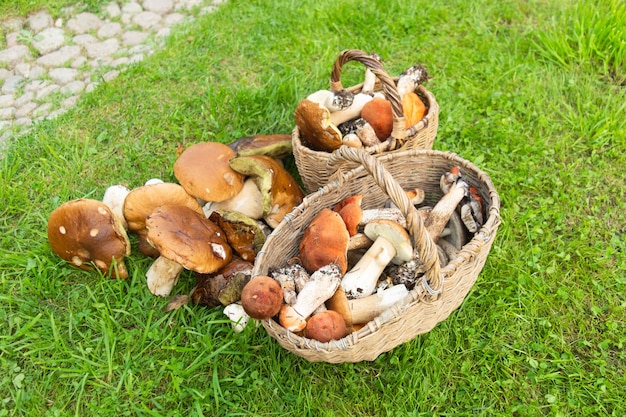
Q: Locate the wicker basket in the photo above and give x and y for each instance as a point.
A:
(316, 167)
(441, 289)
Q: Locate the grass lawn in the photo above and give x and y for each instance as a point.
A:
(533, 92)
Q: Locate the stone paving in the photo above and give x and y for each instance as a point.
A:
(47, 64)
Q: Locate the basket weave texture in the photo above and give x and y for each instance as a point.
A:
(440, 291)
(317, 167)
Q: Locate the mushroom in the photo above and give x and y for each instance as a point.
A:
(354, 111)
(324, 241)
(280, 191)
(332, 100)
(351, 213)
(204, 171)
(326, 326)
(237, 316)
(185, 237)
(410, 79)
(362, 310)
(114, 197)
(472, 210)
(224, 286)
(142, 201)
(455, 189)
(262, 297)
(316, 126)
(248, 201)
(378, 114)
(86, 233)
(277, 146)
(243, 234)
(391, 244)
(323, 284)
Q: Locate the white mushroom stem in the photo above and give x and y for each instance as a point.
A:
(332, 100)
(440, 214)
(351, 112)
(367, 135)
(361, 280)
(392, 213)
(367, 308)
(352, 140)
(323, 284)
(163, 276)
(114, 197)
(248, 201)
(288, 284)
(153, 181)
(237, 316)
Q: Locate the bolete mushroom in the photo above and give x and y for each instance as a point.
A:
(86, 233)
(455, 188)
(362, 310)
(114, 197)
(277, 146)
(391, 244)
(332, 100)
(351, 212)
(280, 191)
(243, 234)
(379, 115)
(325, 241)
(248, 201)
(184, 237)
(316, 126)
(204, 171)
(326, 326)
(262, 297)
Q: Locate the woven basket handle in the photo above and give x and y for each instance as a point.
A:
(422, 243)
(389, 87)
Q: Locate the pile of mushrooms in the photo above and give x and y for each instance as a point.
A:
(213, 221)
(353, 264)
(328, 119)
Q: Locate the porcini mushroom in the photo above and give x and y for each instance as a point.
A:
(472, 210)
(86, 233)
(455, 189)
(391, 243)
(350, 211)
(204, 171)
(280, 191)
(316, 126)
(114, 197)
(321, 287)
(248, 201)
(183, 236)
(324, 241)
(243, 234)
(277, 145)
(379, 115)
(332, 100)
(262, 297)
(410, 79)
(326, 326)
(237, 316)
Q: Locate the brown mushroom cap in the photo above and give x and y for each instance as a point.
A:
(204, 172)
(325, 241)
(142, 201)
(316, 127)
(184, 236)
(378, 114)
(262, 297)
(326, 326)
(85, 232)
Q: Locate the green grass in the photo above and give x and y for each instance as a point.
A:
(524, 93)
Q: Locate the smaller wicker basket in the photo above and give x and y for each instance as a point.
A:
(316, 167)
(441, 289)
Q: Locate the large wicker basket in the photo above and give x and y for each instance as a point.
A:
(316, 167)
(440, 291)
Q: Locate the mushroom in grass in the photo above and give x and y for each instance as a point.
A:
(392, 243)
(262, 297)
(322, 285)
(277, 146)
(325, 241)
(114, 197)
(326, 326)
(280, 191)
(142, 201)
(204, 171)
(316, 127)
(183, 237)
(224, 286)
(86, 233)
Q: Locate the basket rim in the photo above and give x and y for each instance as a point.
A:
(482, 237)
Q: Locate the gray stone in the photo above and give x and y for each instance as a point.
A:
(23, 121)
(42, 110)
(35, 85)
(36, 72)
(84, 39)
(39, 21)
(173, 19)
(14, 25)
(74, 87)
(7, 100)
(50, 39)
(25, 110)
(188, 4)
(12, 56)
(63, 76)
(84, 22)
(120, 62)
(13, 39)
(134, 37)
(7, 113)
(110, 75)
(5, 73)
(147, 19)
(79, 62)
(102, 49)
(60, 57)
(46, 91)
(158, 6)
(108, 30)
(132, 8)
(113, 10)
(136, 58)
(12, 84)
(27, 97)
